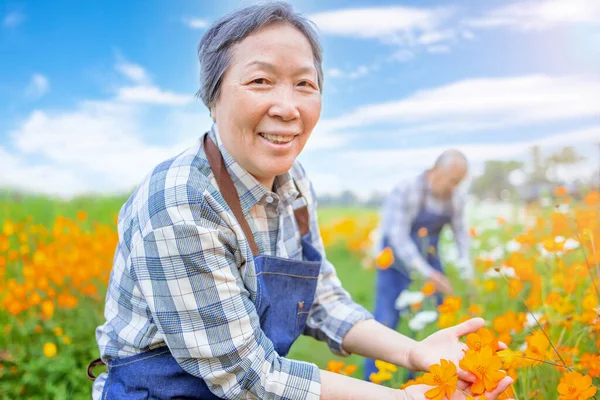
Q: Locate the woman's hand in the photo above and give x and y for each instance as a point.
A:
(418, 391)
(445, 344)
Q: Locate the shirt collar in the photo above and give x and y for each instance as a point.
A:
(250, 190)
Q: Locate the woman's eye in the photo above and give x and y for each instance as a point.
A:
(307, 84)
(259, 81)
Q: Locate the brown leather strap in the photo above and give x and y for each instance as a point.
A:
(90, 368)
(230, 194)
(302, 219)
(227, 188)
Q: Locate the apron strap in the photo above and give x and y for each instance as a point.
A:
(230, 194)
(90, 372)
(227, 188)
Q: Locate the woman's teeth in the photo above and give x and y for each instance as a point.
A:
(278, 139)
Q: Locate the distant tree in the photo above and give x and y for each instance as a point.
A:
(495, 179)
(567, 157)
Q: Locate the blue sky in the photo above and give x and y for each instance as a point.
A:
(92, 95)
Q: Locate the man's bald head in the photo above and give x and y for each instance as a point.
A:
(448, 172)
(450, 158)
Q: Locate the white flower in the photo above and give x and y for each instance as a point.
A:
(545, 253)
(509, 272)
(563, 208)
(531, 320)
(523, 347)
(513, 246)
(571, 244)
(545, 201)
(407, 298)
(419, 321)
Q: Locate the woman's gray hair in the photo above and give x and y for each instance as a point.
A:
(214, 49)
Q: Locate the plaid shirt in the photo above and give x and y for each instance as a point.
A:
(184, 276)
(400, 210)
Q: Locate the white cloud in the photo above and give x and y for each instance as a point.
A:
(366, 171)
(479, 104)
(385, 23)
(195, 23)
(540, 14)
(438, 49)
(359, 72)
(407, 27)
(13, 19)
(152, 95)
(98, 146)
(133, 72)
(38, 86)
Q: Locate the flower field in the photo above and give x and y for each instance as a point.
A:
(537, 286)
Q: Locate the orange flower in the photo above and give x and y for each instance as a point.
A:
(81, 215)
(561, 191)
(385, 258)
(446, 320)
(482, 338)
(592, 199)
(335, 366)
(443, 377)
(350, 369)
(537, 347)
(422, 232)
(475, 309)
(574, 386)
(428, 289)
(450, 304)
(485, 365)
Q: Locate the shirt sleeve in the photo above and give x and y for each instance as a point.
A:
(398, 216)
(188, 274)
(334, 312)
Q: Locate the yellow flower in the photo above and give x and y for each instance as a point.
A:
(380, 376)
(443, 377)
(384, 366)
(574, 386)
(49, 349)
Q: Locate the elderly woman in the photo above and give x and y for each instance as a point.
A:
(220, 266)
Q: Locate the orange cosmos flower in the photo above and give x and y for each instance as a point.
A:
(537, 347)
(428, 289)
(561, 191)
(451, 304)
(485, 365)
(482, 338)
(443, 377)
(335, 366)
(385, 258)
(574, 386)
(592, 199)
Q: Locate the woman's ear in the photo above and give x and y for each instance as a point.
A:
(213, 113)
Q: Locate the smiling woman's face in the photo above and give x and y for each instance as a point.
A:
(269, 101)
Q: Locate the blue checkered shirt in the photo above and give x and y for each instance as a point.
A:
(400, 210)
(184, 276)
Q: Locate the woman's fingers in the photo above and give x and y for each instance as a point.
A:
(502, 386)
(469, 326)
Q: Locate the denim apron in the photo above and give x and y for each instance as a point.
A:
(285, 293)
(392, 281)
